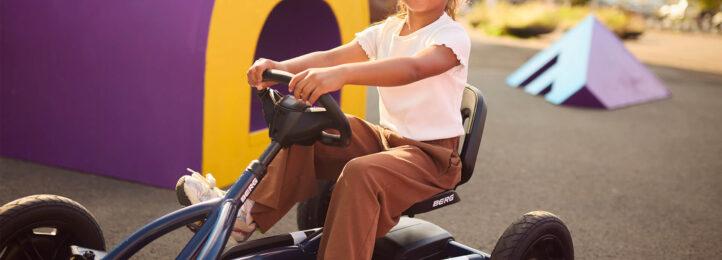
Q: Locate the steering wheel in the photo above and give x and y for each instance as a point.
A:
(334, 117)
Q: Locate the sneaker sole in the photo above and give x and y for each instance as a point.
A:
(181, 194)
(184, 201)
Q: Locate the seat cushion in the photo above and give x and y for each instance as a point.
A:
(412, 238)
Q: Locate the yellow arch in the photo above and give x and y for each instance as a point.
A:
(234, 30)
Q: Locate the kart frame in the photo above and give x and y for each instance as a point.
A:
(292, 124)
(210, 240)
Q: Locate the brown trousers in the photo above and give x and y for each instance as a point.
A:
(378, 176)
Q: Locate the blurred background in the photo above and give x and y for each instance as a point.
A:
(628, 19)
(107, 103)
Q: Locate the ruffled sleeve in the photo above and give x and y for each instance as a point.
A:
(454, 38)
(369, 38)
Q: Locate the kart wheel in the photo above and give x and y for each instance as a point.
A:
(312, 212)
(45, 226)
(537, 235)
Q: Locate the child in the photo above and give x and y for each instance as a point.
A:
(418, 60)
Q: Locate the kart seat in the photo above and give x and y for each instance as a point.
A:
(473, 114)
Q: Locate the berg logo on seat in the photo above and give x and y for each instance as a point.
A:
(443, 201)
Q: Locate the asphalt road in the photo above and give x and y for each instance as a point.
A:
(643, 182)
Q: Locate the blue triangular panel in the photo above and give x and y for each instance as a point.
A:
(569, 72)
(531, 67)
(541, 82)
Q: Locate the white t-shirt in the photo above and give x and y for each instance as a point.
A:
(427, 109)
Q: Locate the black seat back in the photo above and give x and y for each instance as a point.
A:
(473, 114)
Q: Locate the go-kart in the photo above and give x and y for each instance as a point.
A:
(53, 227)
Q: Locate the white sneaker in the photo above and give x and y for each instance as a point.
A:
(194, 188)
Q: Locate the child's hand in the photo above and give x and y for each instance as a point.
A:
(310, 84)
(255, 73)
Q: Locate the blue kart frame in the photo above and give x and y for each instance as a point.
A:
(219, 214)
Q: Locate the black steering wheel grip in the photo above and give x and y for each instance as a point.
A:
(339, 119)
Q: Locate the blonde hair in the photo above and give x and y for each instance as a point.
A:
(402, 10)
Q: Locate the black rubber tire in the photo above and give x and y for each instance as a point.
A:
(536, 235)
(312, 212)
(73, 223)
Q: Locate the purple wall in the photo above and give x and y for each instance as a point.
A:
(111, 87)
(314, 29)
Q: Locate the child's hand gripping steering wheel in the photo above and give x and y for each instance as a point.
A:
(293, 122)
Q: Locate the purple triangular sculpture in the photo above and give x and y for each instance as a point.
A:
(615, 76)
(589, 67)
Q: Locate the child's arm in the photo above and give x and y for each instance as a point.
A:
(434, 60)
(347, 53)
(431, 61)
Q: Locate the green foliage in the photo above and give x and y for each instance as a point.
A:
(504, 18)
(534, 18)
(580, 2)
(618, 21)
(709, 5)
